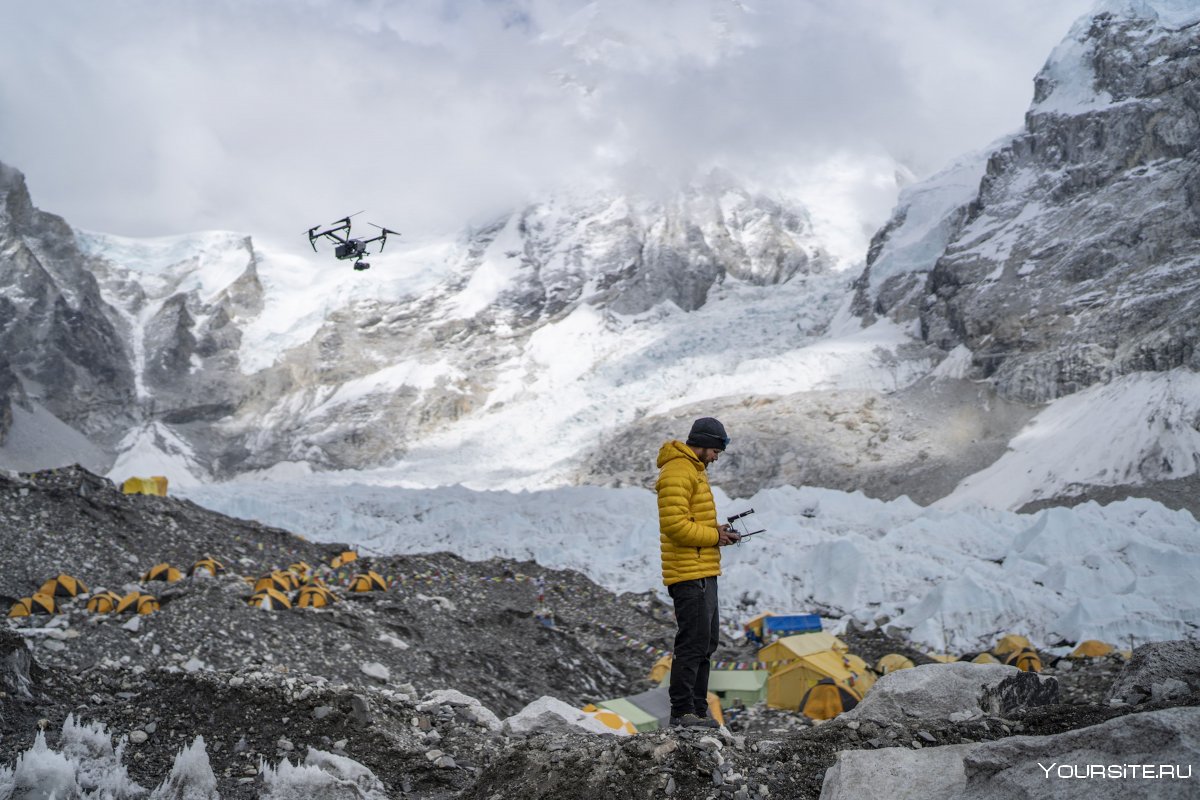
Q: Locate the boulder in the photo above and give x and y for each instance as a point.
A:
(1158, 671)
(464, 704)
(1149, 755)
(958, 690)
(551, 715)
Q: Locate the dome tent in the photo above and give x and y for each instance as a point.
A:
(138, 602)
(368, 582)
(37, 603)
(209, 565)
(1009, 644)
(269, 600)
(104, 602)
(162, 572)
(825, 700)
(1092, 648)
(1026, 659)
(63, 585)
(315, 597)
(279, 580)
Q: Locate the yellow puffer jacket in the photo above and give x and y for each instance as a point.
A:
(687, 516)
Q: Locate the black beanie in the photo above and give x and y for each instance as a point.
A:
(707, 432)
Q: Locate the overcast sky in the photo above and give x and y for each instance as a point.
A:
(148, 118)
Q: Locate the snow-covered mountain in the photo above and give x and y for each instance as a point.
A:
(561, 343)
(234, 359)
(1066, 255)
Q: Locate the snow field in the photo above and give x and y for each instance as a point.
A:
(955, 579)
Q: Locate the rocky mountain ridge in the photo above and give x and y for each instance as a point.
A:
(1075, 260)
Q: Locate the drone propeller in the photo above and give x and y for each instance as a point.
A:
(382, 237)
(346, 220)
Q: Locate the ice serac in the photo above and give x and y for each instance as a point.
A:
(1077, 256)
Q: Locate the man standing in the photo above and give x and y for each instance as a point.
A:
(689, 537)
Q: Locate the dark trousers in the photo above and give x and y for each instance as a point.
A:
(696, 641)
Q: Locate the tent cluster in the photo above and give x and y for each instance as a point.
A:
(1016, 650)
(45, 599)
(300, 586)
(815, 674)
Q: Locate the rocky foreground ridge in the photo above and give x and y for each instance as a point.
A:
(431, 689)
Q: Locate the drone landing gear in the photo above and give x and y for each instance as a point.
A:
(361, 265)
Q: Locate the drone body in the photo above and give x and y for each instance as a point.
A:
(346, 246)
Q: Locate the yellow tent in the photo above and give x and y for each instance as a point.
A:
(343, 558)
(611, 719)
(942, 658)
(789, 648)
(1009, 644)
(661, 669)
(156, 485)
(209, 565)
(1026, 659)
(38, 603)
(368, 582)
(139, 602)
(985, 658)
(315, 597)
(826, 700)
(278, 580)
(269, 600)
(1092, 648)
(63, 585)
(892, 662)
(301, 570)
(162, 572)
(797, 663)
(104, 602)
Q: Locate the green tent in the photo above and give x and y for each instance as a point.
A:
(730, 685)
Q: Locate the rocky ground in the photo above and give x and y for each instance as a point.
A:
(404, 682)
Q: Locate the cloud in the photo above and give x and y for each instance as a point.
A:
(145, 118)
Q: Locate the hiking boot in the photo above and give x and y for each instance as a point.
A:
(689, 721)
(706, 722)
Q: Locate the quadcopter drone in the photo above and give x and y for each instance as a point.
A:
(347, 247)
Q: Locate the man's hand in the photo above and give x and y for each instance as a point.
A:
(726, 536)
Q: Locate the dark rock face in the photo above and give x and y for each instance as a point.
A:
(1024, 690)
(56, 332)
(1077, 260)
(11, 392)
